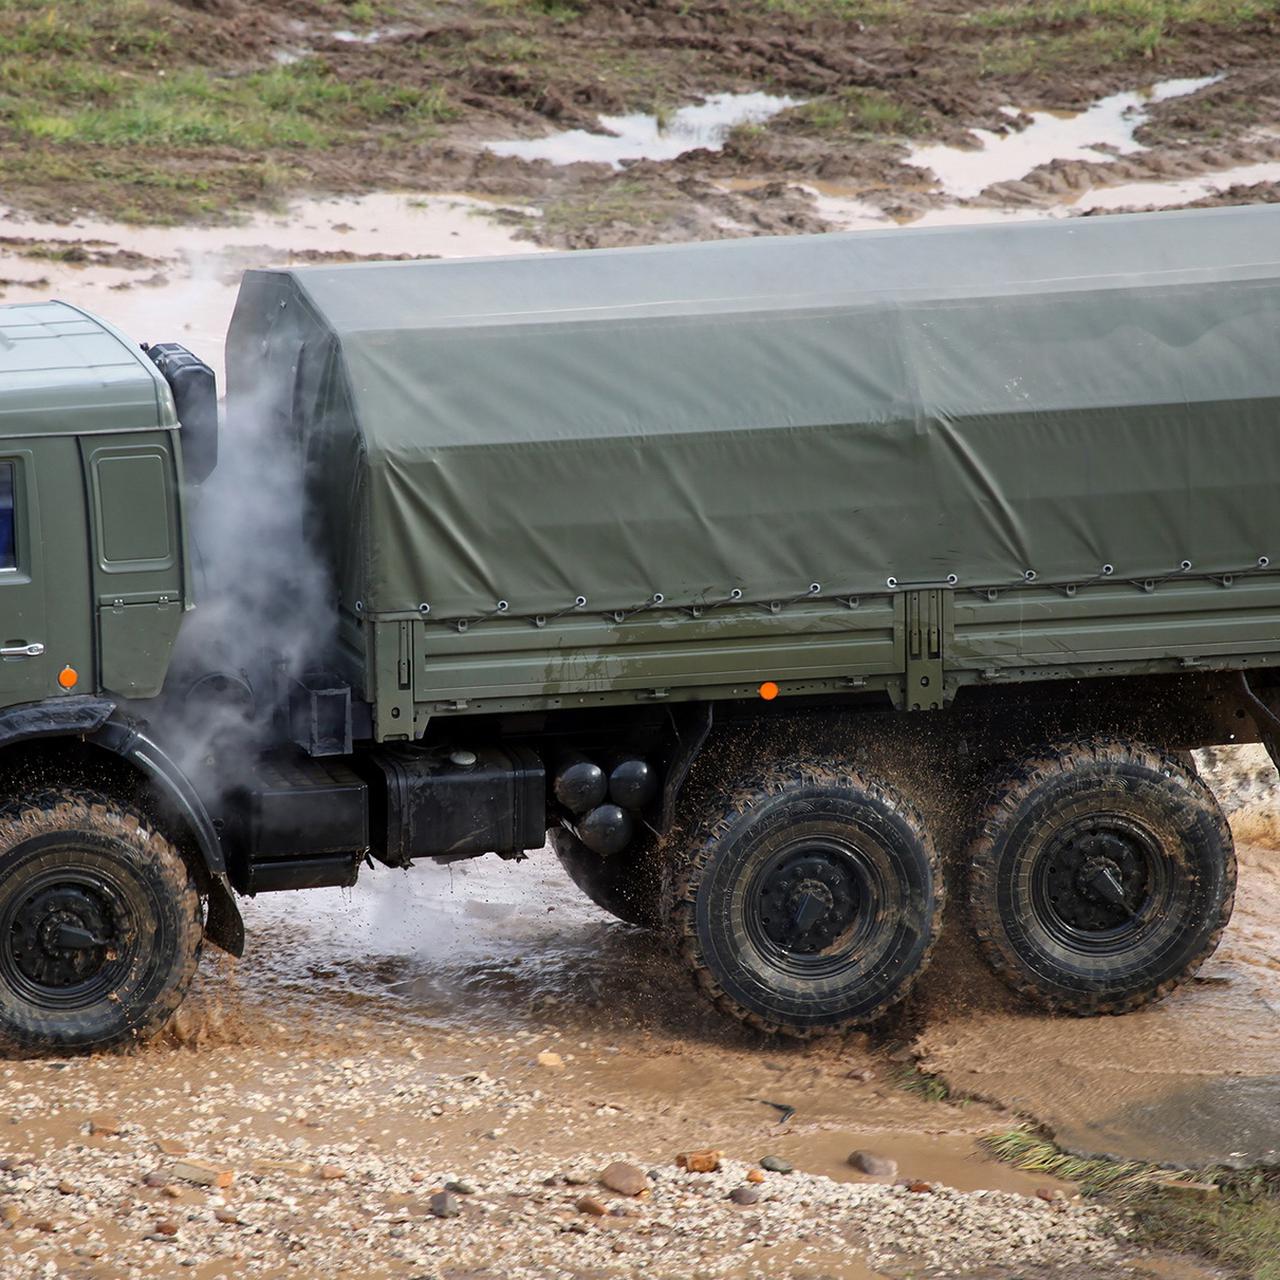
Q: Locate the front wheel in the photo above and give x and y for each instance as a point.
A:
(100, 925)
(1102, 876)
(809, 900)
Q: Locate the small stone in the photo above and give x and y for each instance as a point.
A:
(331, 1172)
(228, 1216)
(575, 1179)
(68, 1188)
(167, 1147)
(755, 1175)
(590, 1205)
(154, 1179)
(105, 1126)
(1044, 1193)
(203, 1175)
(625, 1179)
(625, 1209)
(921, 1188)
(417, 1177)
(704, 1161)
(776, 1164)
(460, 1188)
(166, 1227)
(552, 1061)
(872, 1165)
(10, 1214)
(444, 1204)
(745, 1195)
(45, 1225)
(173, 1191)
(861, 1074)
(619, 1246)
(300, 1168)
(577, 1228)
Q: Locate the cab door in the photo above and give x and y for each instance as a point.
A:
(24, 643)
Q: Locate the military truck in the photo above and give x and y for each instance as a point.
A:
(736, 567)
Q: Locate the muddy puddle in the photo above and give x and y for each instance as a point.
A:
(1177, 191)
(1103, 130)
(702, 126)
(179, 283)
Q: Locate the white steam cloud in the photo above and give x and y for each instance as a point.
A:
(264, 603)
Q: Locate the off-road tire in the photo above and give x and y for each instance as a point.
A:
(81, 859)
(627, 885)
(1181, 877)
(720, 895)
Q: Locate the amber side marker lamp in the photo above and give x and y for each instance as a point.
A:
(768, 690)
(68, 677)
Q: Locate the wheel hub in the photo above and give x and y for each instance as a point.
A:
(1098, 881)
(61, 936)
(808, 902)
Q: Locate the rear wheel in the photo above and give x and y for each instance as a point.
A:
(626, 884)
(1102, 876)
(809, 900)
(100, 925)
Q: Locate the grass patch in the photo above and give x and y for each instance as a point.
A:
(858, 111)
(575, 216)
(303, 105)
(1237, 1226)
(1127, 13)
(924, 1084)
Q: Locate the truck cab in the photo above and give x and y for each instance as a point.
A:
(93, 558)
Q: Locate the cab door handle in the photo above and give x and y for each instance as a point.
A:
(33, 650)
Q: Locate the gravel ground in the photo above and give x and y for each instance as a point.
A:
(347, 1167)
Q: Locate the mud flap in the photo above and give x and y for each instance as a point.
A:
(223, 924)
(1262, 704)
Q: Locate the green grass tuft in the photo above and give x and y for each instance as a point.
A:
(1238, 1226)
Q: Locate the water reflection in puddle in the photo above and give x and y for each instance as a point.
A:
(1099, 132)
(1140, 195)
(650, 137)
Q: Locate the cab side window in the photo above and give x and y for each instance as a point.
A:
(8, 519)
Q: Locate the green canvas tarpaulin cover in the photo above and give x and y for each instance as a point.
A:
(763, 416)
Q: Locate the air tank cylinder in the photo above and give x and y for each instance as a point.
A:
(579, 784)
(606, 829)
(632, 784)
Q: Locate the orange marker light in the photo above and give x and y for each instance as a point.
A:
(768, 690)
(67, 677)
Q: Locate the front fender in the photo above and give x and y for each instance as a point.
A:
(223, 926)
(54, 718)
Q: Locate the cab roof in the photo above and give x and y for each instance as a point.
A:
(63, 371)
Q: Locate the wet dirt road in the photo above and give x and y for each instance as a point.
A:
(487, 1027)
